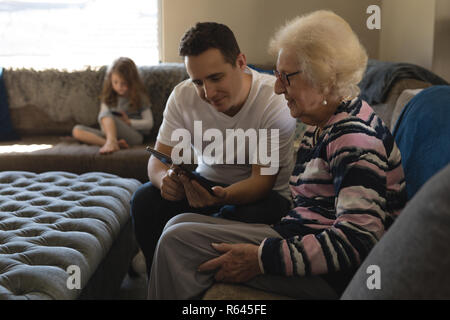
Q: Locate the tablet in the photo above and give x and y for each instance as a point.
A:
(164, 158)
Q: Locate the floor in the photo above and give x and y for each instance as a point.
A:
(134, 287)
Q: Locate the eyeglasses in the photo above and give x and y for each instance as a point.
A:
(284, 78)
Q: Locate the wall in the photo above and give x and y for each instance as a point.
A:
(407, 28)
(417, 31)
(441, 53)
(255, 21)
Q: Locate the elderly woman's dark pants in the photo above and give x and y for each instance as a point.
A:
(150, 213)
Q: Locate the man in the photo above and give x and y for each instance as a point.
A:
(221, 94)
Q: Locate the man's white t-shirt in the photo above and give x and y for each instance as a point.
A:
(263, 109)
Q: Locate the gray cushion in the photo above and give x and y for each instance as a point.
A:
(402, 101)
(53, 220)
(413, 256)
(75, 157)
(52, 102)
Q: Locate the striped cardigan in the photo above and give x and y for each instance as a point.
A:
(348, 186)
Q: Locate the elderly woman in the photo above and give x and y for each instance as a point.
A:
(347, 185)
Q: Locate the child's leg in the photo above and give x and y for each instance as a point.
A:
(109, 128)
(128, 133)
(88, 135)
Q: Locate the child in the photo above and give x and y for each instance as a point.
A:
(125, 113)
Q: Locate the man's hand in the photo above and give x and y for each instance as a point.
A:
(238, 263)
(171, 187)
(199, 197)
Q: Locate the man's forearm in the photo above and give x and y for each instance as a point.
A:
(156, 171)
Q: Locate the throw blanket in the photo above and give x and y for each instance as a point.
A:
(381, 76)
(422, 134)
(6, 129)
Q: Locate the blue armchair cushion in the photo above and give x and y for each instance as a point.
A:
(422, 134)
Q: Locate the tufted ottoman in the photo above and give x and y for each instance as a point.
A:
(62, 235)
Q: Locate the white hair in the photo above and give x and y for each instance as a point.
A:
(328, 52)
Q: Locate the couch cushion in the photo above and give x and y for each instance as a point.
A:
(385, 110)
(381, 76)
(422, 134)
(52, 102)
(412, 256)
(402, 101)
(54, 220)
(41, 154)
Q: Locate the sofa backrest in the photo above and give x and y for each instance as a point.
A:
(51, 102)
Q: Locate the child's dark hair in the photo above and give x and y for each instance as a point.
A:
(208, 35)
(127, 70)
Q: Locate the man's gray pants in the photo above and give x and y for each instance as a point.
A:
(186, 243)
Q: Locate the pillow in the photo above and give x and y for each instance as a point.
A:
(381, 76)
(261, 69)
(402, 101)
(422, 134)
(7, 131)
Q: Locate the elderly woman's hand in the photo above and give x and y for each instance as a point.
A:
(238, 263)
(199, 197)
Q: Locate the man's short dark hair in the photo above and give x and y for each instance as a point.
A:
(209, 35)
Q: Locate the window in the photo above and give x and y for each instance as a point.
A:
(73, 34)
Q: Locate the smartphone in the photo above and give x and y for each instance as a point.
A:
(116, 113)
(164, 158)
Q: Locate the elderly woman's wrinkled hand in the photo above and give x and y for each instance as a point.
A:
(238, 263)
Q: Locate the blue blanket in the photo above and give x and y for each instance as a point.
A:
(7, 131)
(381, 76)
(422, 134)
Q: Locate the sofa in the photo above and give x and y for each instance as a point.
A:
(65, 225)
(45, 105)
